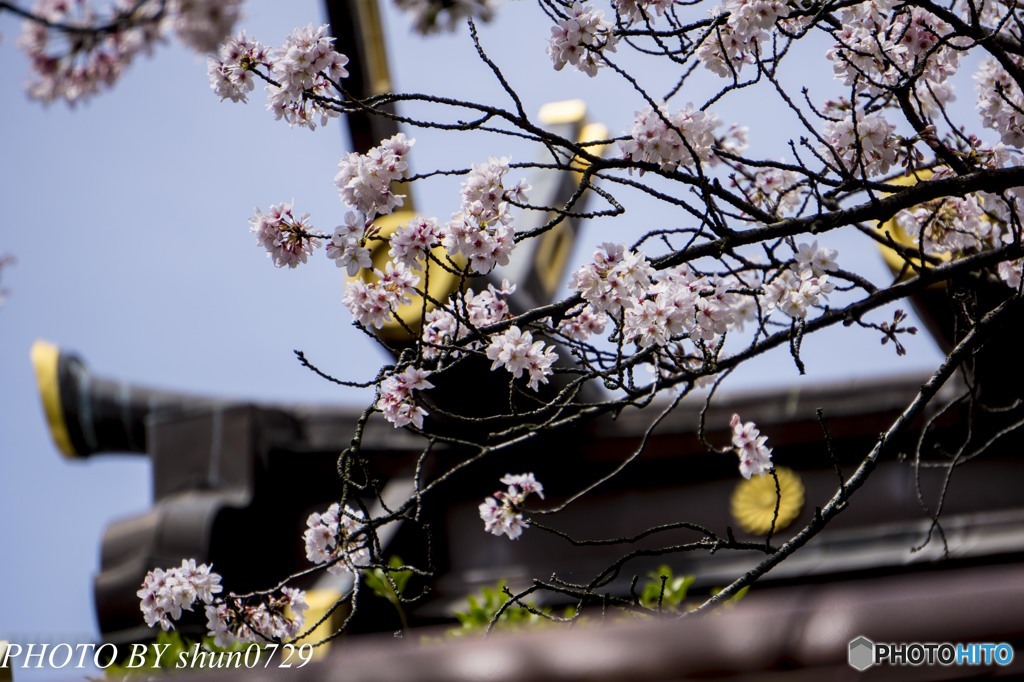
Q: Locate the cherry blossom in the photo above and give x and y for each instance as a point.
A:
(482, 229)
(870, 145)
(443, 327)
(517, 352)
(275, 617)
(305, 67)
(287, 239)
(231, 73)
(614, 279)
(373, 303)
(431, 16)
(166, 593)
(396, 400)
(338, 538)
(347, 247)
(365, 180)
(581, 322)
(685, 140)
(502, 512)
(412, 240)
(817, 259)
(755, 456)
(581, 39)
(795, 294)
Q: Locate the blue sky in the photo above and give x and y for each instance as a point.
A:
(128, 217)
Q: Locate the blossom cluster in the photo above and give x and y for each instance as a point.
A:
(482, 229)
(949, 225)
(396, 400)
(338, 538)
(802, 285)
(431, 16)
(347, 247)
(365, 180)
(632, 11)
(166, 593)
(304, 70)
(863, 143)
(73, 65)
(444, 327)
(737, 40)
(581, 39)
(685, 138)
(231, 73)
(274, 617)
(659, 307)
(613, 279)
(755, 456)
(877, 49)
(502, 513)
(1000, 102)
(372, 303)
(288, 239)
(517, 352)
(776, 190)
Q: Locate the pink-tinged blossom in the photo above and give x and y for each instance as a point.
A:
(347, 248)
(877, 49)
(581, 39)
(396, 400)
(1000, 102)
(632, 11)
(231, 73)
(443, 328)
(337, 537)
(432, 16)
(276, 617)
(796, 294)
(410, 242)
(777, 190)
(817, 259)
(737, 41)
(203, 24)
(502, 513)
(755, 456)
(1010, 272)
(517, 352)
(872, 145)
(373, 303)
(74, 71)
(365, 180)
(166, 593)
(614, 279)
(671, 140)
(949, 225)
(287, 239)
(482, 229)
(582, 322)
(304, 68)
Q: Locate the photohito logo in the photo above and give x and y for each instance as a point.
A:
(864, 653)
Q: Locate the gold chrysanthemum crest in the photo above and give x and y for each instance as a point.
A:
(753, 501)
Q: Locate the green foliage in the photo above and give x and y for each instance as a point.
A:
(664, 591)
(483, 606)
(390, 585)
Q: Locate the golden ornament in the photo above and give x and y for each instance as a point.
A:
(753, 501)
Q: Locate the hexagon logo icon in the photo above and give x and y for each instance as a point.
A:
(862, 653)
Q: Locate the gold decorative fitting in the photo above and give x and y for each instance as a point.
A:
(441, 283)
(45, 359)
(753, 501)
